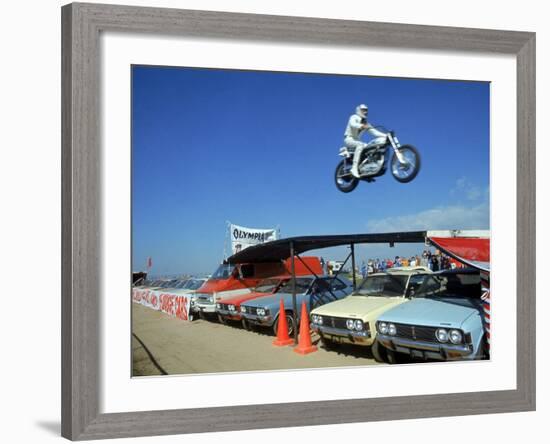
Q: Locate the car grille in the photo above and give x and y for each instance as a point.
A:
(331, 321)
(249, 310)
(416, 332)
(224, 307)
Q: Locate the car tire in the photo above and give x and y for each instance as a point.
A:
(392, 357)
(245, 324)
(222, 320)
(379, 352)
(289, 322)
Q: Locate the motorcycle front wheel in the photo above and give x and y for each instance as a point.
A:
(405, 172)
(344, 180)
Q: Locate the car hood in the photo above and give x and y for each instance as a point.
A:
(177, 291)
(449, 312)
(218, 285)
(274, 300)
(360, 307)
(239, 299)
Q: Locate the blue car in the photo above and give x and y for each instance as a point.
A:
(315, 291)
(446, 325)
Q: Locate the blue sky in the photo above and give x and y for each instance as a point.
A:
(259, 149)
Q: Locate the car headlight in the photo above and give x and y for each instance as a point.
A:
(383, 327)
(218, 305)
(260, 311)
(442, 335)
(231, 308)
(392, 330)
(316, 319)
(358, 324)
(350, 324)
(243, 309)
(455, 336)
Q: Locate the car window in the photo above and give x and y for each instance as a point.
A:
(383, 285)
(422, 285)
(462, 285)
(302, 285)
(223, 272)
(267, 286)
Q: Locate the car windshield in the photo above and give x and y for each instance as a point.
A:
(460, 285)
(180, 283)
(383, 285)
(302, 284)
(168, 284)
(193, 284)
(223, 271)
(267, 286)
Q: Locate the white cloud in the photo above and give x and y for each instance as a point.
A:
(463, 187)
(453, 217)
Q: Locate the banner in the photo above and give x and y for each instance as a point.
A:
(172, 304)
(148, 298)
(243, 237)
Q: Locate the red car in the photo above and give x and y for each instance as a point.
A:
(229, 308)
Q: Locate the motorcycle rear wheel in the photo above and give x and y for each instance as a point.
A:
(407, 173)
(345, 182)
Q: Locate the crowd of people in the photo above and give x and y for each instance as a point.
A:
(434, 261)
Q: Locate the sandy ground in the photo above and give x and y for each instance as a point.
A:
(165, 345)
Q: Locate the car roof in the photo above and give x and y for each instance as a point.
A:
(406, 270)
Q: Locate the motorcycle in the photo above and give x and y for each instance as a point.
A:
(405, 162)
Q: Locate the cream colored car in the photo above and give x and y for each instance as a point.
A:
(352, 319)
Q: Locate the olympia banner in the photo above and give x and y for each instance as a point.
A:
(243, 237)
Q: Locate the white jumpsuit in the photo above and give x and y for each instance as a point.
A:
(352, 138)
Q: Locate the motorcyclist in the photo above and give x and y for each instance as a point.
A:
(357, 125)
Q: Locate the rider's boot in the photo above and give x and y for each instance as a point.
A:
(354, 167)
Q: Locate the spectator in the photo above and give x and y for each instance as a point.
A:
(435, 263)
(364, 270)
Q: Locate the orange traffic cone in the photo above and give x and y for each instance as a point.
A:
(282, 329)
(304, 344)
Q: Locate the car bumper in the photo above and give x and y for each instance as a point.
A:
(264, 321)
(427, 350)
(205, 308)
(343, 335)
(232, 315)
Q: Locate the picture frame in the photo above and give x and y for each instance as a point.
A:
(81, 230)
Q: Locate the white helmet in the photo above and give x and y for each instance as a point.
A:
(362, 110)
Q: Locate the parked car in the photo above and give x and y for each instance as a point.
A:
(314, 291)
(352, 320)
(230, 308)
(235, 280)
(446, 326)
(187, 287)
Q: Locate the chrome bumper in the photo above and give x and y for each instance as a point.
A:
(205, 308)
(229, 314)
(426, 350)
(352, 336)
(266, 320)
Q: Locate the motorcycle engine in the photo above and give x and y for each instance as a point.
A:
(374, 164)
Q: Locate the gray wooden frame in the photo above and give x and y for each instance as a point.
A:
(81, 231)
